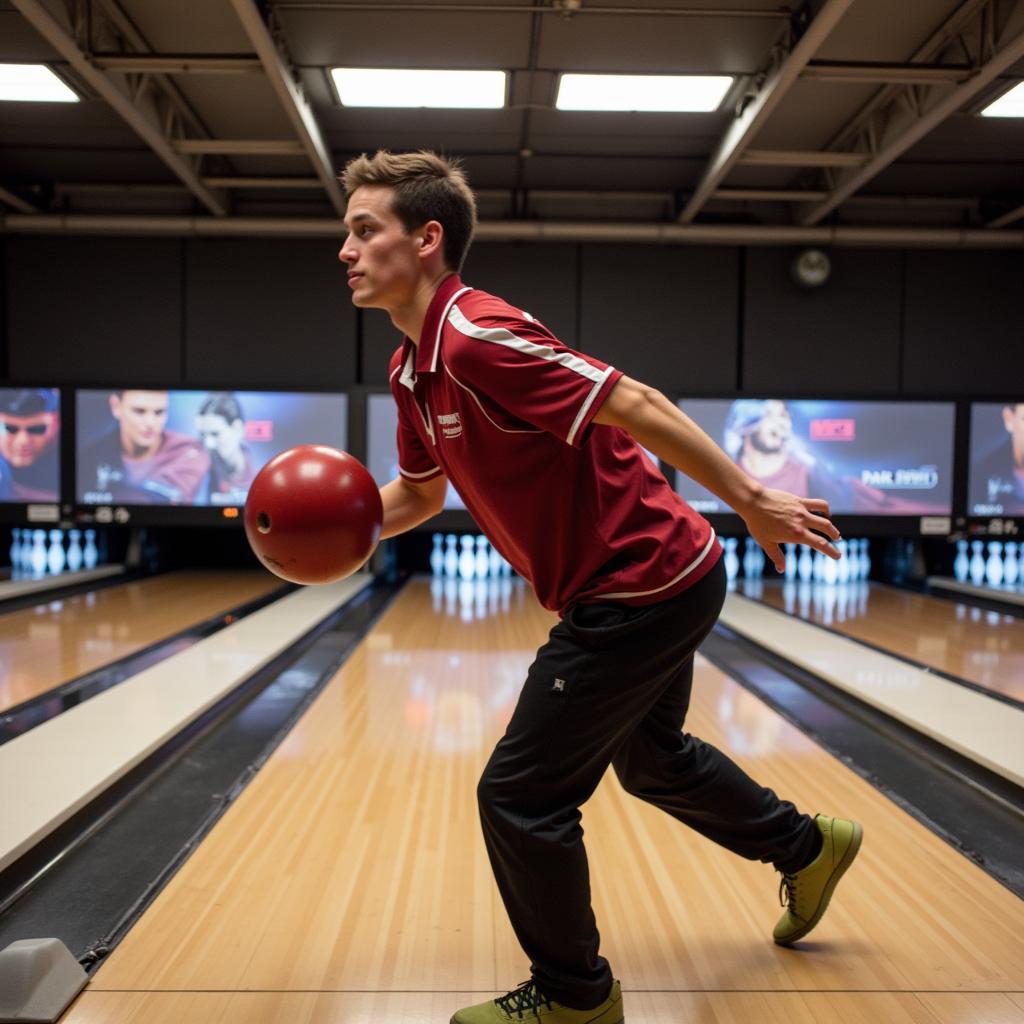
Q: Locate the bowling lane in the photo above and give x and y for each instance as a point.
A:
(349, 880)
(55, 641)
(983, 647)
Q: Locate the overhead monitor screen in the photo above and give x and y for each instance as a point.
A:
(382, 444)
(864, 458)
(995, 479)
(29, 445)
(197, 448)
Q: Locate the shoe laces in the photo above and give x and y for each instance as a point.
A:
(787, 891)
(526, 997)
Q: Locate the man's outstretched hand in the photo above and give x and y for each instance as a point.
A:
(778, 517)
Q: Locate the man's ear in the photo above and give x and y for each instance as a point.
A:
(431, 238)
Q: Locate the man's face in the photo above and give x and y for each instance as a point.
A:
(383, 265)
(142, 415)
(220, 437)
(23, 438)
(1013, 420)
(774, 430)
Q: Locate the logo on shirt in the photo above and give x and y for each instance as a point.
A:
(451, 425)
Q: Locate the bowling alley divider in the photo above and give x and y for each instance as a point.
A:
(984, 730)
(51, 772)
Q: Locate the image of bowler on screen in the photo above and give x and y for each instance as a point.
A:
(139, 461)
(1001, 472)
(29, 449)
(220, 424)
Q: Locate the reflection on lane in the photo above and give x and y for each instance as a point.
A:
(983, 647)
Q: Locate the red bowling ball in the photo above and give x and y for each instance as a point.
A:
(313, 514)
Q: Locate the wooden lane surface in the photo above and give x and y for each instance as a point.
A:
(983, 647)
(55, 641)
(349, 881)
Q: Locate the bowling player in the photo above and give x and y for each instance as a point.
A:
(543, 445)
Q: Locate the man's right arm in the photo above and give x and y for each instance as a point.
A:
(407, 504)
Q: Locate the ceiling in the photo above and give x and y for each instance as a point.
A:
(222, 112)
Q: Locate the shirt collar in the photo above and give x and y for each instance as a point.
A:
(430, 336)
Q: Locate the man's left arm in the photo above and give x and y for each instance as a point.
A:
(772, 517)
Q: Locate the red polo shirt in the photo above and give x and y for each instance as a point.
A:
(491, 398)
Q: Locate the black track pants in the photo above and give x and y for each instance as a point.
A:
(612, 686)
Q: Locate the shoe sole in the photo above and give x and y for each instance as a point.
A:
(621, 1020)
(830, 885)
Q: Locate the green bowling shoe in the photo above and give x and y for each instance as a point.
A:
(528, 1003)
(805, 893)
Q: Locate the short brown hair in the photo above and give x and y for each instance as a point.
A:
(426, 187)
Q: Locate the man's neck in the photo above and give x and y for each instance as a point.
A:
(409, 317)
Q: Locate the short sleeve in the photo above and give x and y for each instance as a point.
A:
(522, 367)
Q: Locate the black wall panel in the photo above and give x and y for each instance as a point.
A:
(665, 315)
(94, 310)
(538, 277)
(268, 313)
(840, 338)
(380, 338)
(964, 323)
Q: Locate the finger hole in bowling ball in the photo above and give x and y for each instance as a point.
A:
(263, 522)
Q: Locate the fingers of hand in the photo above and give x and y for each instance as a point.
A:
(819, 543)
(776, 557)
(824, 526)
(819, 505)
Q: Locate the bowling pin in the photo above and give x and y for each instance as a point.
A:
(451, 556)
(994, 565)
(977, 563)
(74, 550)
(38, 552)
(791, 562)
(493, 562)
(15, 547)
(55, 557)
(846, 557)
(830, 572)
(481, 557)
(90, 555)
(805, 564)
(961, 564)
(757, 560)
(436, 555)
(732, 560)
(467, 559)
(1011, 568)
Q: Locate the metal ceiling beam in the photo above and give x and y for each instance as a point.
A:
(559, 7)
(16, 201)
(540, 231)
(58, 37)
(902, 127)
(255, 182)
(800, 158)
(240, 147)
(175, 64)
(746, 125)
(1007, 218)
(295, 105)
(867, 71)
(927, 53)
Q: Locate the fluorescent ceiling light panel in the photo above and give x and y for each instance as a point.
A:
(402, 87)
(1010, 104)
(674, 93)
(33, 83)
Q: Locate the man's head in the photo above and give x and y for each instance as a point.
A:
(221, 425)
(764, 426)
(409, 215)
(142, 416)
(28, 423)
(1013, 420)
